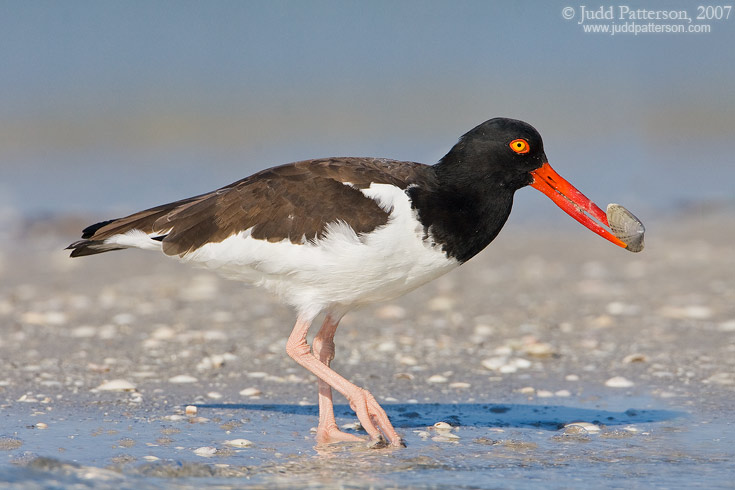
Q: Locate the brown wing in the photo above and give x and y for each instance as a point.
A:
(294, 202)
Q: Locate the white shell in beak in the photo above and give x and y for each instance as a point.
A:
(626, 227)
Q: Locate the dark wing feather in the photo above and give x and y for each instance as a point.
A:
(293, 202)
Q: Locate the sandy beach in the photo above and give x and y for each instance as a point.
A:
(551, 357)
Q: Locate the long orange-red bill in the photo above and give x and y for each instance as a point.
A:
(573, 202)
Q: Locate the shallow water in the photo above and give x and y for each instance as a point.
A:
(489, 446)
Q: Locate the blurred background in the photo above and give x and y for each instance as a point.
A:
(110, 107)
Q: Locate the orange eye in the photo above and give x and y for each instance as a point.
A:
(520, 146)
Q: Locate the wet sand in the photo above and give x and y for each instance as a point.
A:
(101, 356)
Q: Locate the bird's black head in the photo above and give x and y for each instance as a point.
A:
(476, 180)
(501, 152)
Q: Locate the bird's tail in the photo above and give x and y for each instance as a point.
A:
(144, 229)
(89, 245)
(116, 234)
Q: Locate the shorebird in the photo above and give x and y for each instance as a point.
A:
(329, 235)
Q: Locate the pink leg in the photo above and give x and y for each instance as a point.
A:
(323, 348)
(369, 412)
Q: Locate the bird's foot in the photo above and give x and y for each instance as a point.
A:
(381, 442)
(332, 435)
(373, 418)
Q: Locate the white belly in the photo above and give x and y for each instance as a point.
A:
(340, 269)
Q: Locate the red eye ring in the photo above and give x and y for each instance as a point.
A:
(520, 146)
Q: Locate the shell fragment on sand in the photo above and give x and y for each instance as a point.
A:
(116, 385)
(626, 227)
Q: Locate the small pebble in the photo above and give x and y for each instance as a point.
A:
(618, 382)
(387, 346)
(587, 427)
(98, 368)
(116, 385)
(407, 360)
(437, 378)
(442, 426)
(239, 443)
(151, 458)
(527, 390)
(544, 394)
(562, 393)
(214, 361)
(205, 452)
(539, 349)
(459, 385)
(250, 392)
(190, 410)
(448, 437)
(571, 377)
(214, 395)
(521, 363)
(506, 365)
(182, 378)
(635, 358)
(515, 364)
(40, 425)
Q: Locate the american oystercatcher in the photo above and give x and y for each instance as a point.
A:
(333, 234)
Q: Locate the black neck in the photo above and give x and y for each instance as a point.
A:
(461, 212)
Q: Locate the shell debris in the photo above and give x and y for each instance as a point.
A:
(584, 427)
(116, 385)
(238, 443)
(206, 451)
